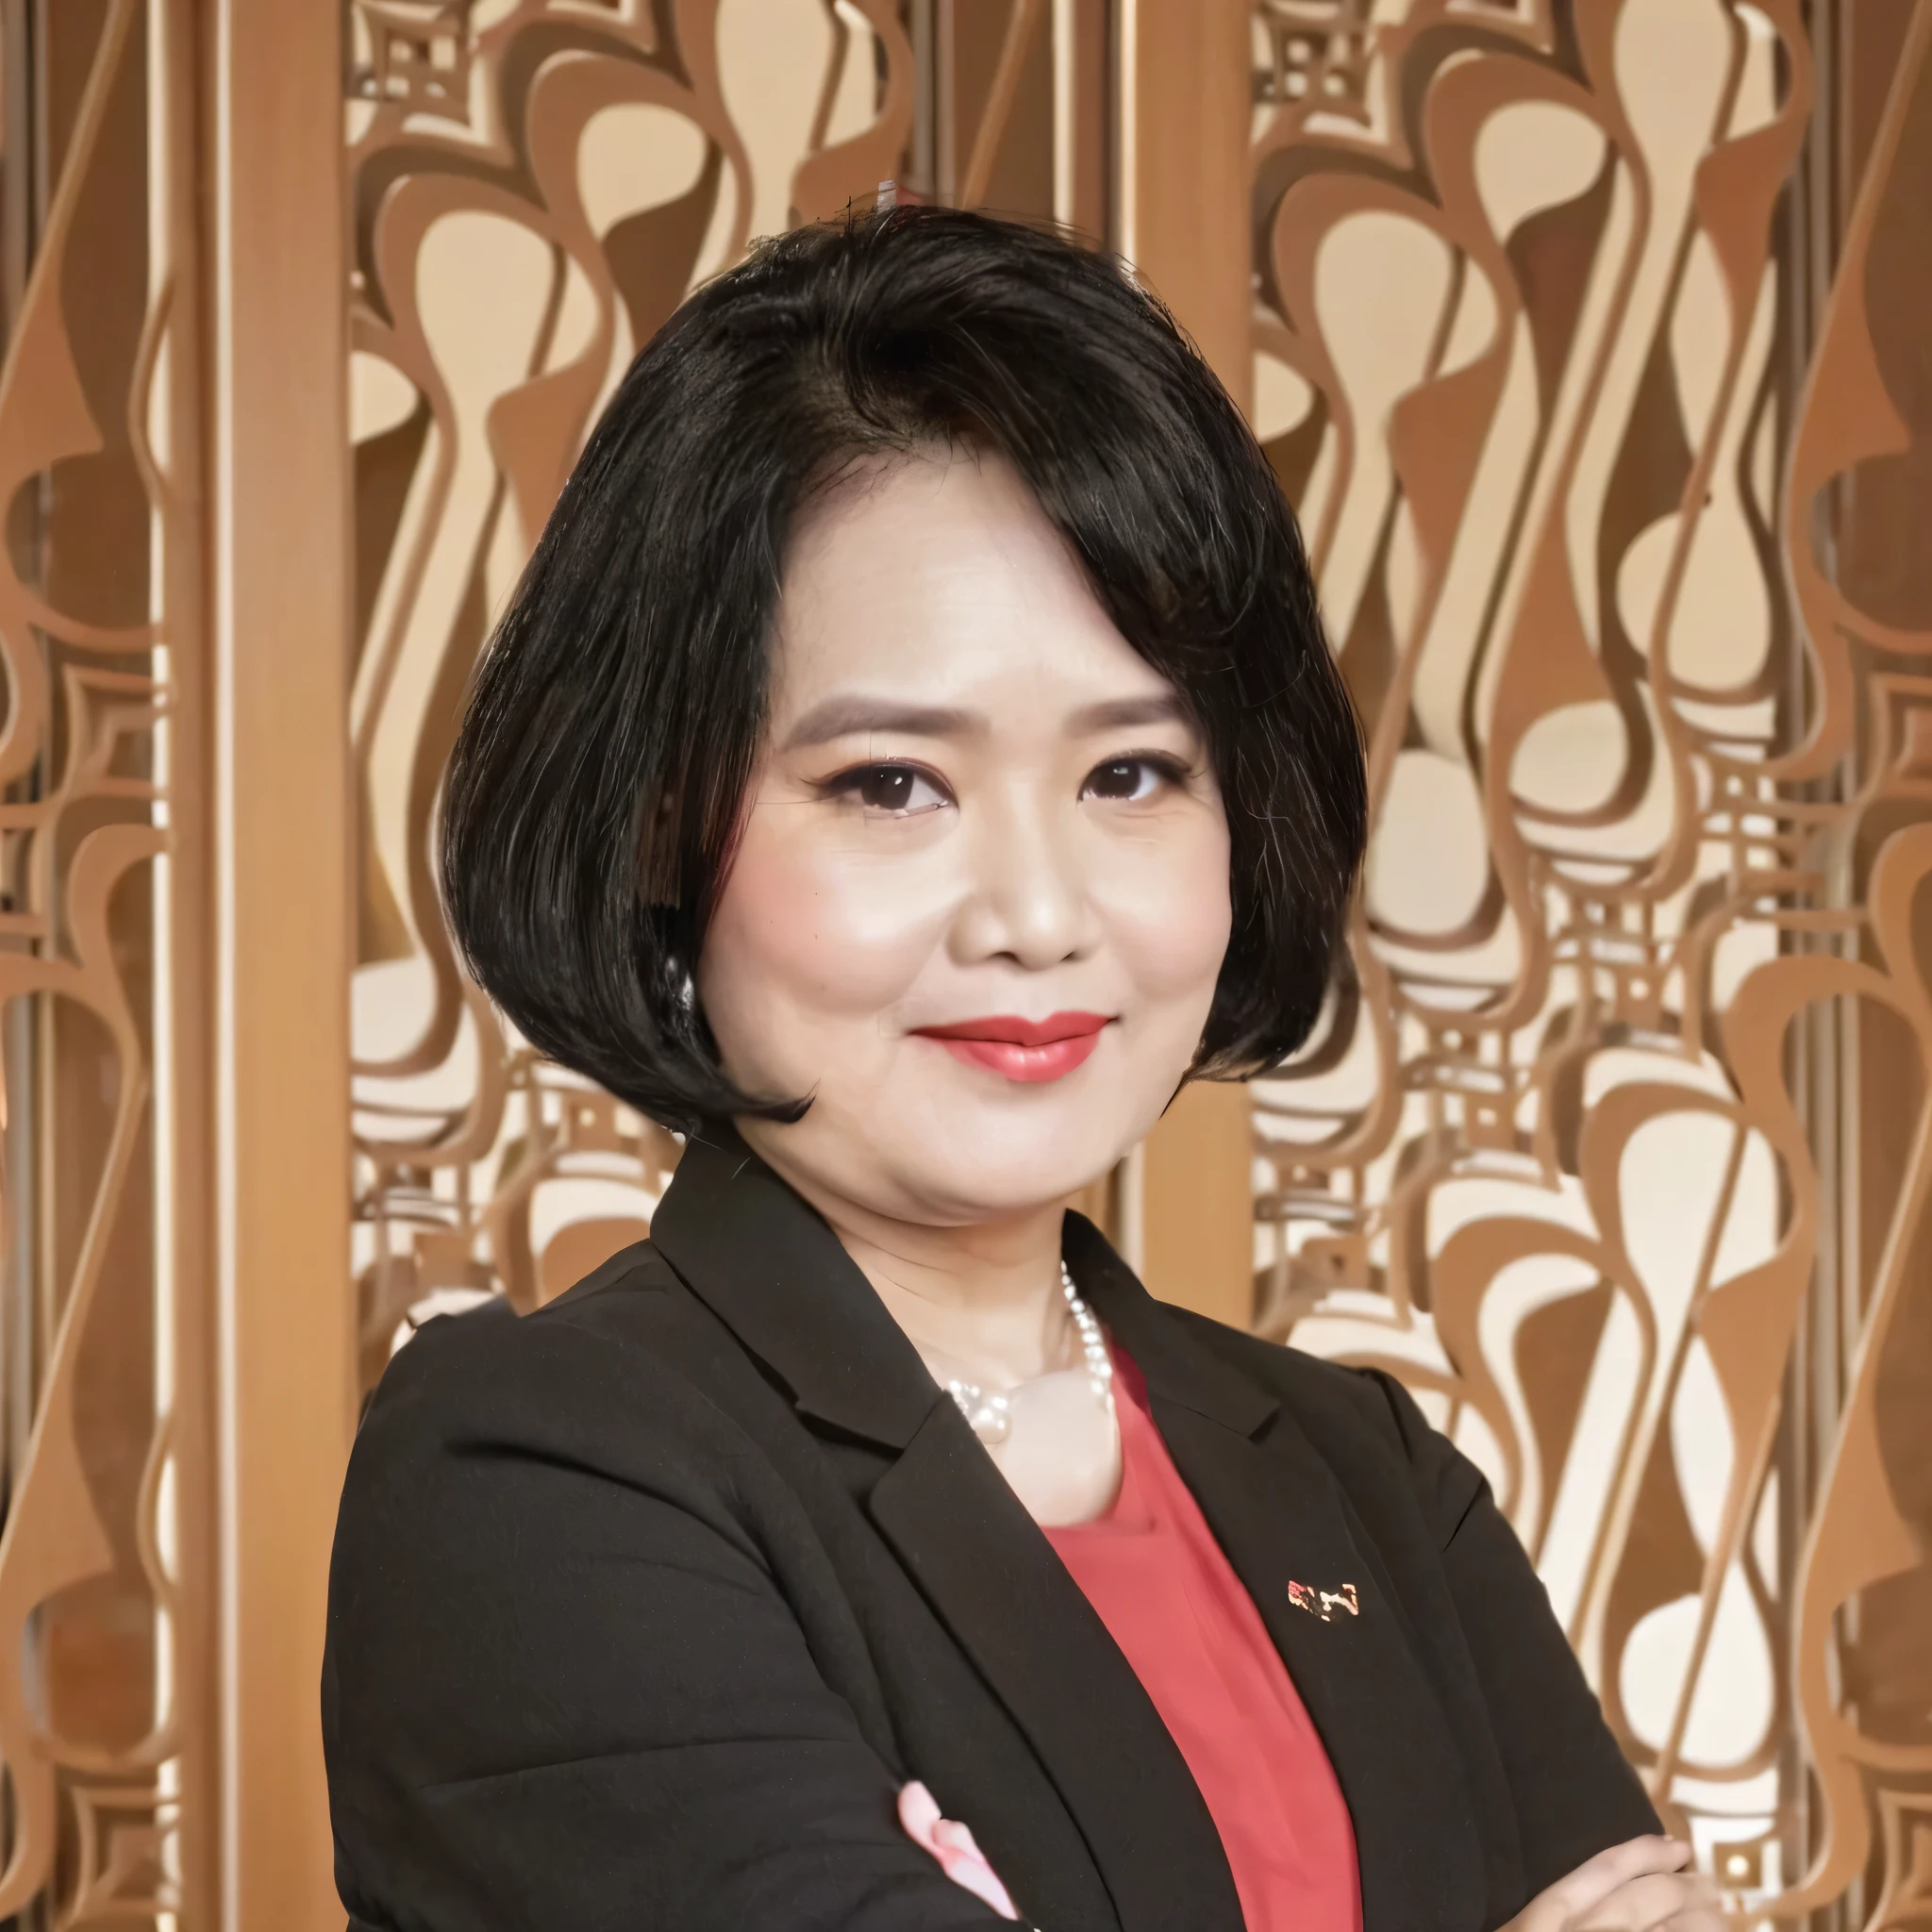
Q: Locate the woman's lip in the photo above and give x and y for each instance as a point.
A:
(1014, 1031)
(1026, 1063)
(1024, 1050)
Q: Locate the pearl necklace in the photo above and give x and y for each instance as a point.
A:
(991, 1417)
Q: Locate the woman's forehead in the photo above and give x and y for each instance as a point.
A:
(940, 577)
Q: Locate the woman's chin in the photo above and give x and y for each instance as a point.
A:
(979, 1151)
(919, 1134)
(986, 1184)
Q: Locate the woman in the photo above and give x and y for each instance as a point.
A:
(910, 755)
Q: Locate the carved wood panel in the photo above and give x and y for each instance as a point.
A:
(1585, 347)
(1599, 389)
(101, 1387)
(536, 186)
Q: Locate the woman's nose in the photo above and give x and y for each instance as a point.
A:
(1026, 899)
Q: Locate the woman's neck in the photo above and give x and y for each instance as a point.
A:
(981, 1300)
(988, 1307)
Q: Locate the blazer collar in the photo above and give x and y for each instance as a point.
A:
(771, 1270)
(1177, 1369)
(776, 1274)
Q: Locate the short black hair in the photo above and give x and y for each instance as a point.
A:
(596, 785)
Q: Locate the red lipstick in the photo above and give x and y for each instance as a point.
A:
(1022, 1049)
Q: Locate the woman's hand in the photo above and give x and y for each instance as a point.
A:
(1640, 1886)
(951, 1843)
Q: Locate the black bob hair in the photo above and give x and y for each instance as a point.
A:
(615, 723)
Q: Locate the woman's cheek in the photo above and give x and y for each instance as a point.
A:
(1168, 914)
(807, 944)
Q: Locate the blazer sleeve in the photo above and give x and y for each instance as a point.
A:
(565, 1693)
(1573, 1790)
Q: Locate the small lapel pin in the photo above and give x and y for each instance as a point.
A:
(1325, 1603)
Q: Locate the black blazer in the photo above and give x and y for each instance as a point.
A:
(642, 1609)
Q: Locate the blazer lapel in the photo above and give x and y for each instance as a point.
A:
(998, 1586)
(1286, 1527)
(771, 1270)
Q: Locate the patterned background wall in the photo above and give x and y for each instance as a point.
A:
(535, 187)
(102, 1395)
(1616, 1148)
(1590, 342)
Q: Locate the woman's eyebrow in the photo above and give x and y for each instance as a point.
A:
(845, 713)
(1155, 707)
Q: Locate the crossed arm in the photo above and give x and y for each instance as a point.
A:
(558, 1696)
(558, 1699)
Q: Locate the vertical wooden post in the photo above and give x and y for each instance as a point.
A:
(1186, 85)
(278, 464)
(186, 947)
(1197, 1208)
(1186, 106)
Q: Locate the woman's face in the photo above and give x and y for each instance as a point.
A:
(982, 896)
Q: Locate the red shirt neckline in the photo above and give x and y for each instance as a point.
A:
(1172, 1602)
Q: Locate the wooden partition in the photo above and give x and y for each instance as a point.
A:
(1581, 342)
(1587, 337)
(279, 640)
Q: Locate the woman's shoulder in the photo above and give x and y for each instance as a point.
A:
(491, 1365)
(533, 1508)
(598, 1383)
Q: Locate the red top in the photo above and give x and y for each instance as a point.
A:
(1153, 1571)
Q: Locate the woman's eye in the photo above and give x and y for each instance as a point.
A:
(1125, 778)
(899, 789)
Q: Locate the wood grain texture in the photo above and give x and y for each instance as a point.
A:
(278, 370)
(1188, 158)
(1188, 154)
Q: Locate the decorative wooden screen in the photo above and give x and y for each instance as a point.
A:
(1591, 349)
(103, 1349)
(535, 187)
(1590, 342)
